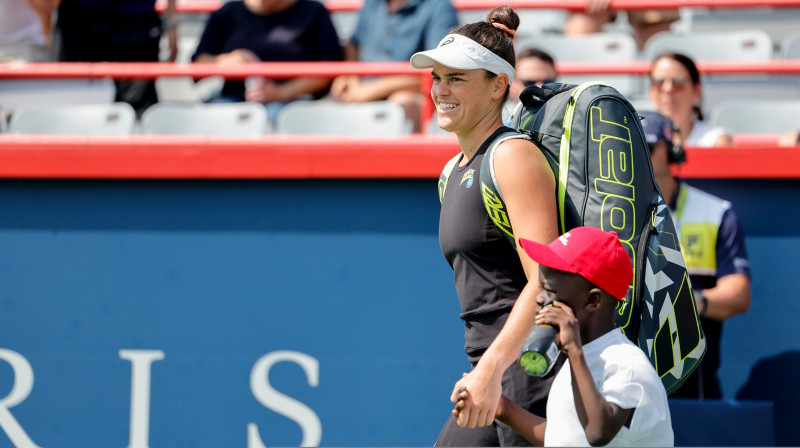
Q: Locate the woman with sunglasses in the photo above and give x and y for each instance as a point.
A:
(677, 93)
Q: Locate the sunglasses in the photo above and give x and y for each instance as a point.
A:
(677, 83)
(535, 82)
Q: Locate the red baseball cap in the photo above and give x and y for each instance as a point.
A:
(596, 255)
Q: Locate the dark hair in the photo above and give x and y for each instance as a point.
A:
(494, 38)
(541, 55)
(690, 66)
(538, 54)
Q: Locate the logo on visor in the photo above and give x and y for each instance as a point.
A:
(448, 41)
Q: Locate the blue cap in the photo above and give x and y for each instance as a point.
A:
(656, 127)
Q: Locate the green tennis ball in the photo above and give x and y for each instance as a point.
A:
(534, 364)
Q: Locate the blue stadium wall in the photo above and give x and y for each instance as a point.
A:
(239, 313)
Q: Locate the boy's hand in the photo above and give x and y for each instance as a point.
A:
(461, 400)
(462, 397)
(561, 316)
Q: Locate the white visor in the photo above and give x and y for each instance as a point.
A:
(463, 53)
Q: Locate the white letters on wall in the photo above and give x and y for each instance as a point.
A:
(141, 363)
(265, 394)
(23, 384)
(141, 360)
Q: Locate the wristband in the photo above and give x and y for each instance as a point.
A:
(699, 295)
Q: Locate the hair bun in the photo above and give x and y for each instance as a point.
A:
(504, 19)
(504, 29)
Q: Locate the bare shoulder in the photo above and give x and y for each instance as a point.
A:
(520, 161)
(528, 186)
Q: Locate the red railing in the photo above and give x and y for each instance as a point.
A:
(304, 157)
(204, 7)
(151, 70)
(272, 156)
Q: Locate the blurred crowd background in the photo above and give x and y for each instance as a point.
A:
(236, 32)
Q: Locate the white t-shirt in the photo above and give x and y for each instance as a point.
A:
(705, 135)
(625, 377)
(19, 23)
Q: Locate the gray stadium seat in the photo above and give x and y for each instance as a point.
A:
(115, 119)
(376, 118)
(742, 45)
(775, 21)
(532, 22)
(244, 119)
(16, 92)
(757, 117)
(4, 116)
(790, 46)
(184, 89)
(597, 47)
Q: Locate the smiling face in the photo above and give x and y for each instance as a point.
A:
(672, 90)
(464, 98)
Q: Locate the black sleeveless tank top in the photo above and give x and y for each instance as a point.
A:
(488, 271)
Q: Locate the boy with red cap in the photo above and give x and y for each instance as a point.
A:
(607, 393)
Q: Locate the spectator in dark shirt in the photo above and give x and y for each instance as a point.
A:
(270, 31)
(117, 31)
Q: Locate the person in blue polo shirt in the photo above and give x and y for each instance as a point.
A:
(393, 30)
(712, 242)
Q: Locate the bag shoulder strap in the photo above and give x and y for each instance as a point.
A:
(490, 190)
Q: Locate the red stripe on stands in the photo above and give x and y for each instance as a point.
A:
(304, 157)
(751, 162)
(204, 7)
(167, 157)
(151, 70)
